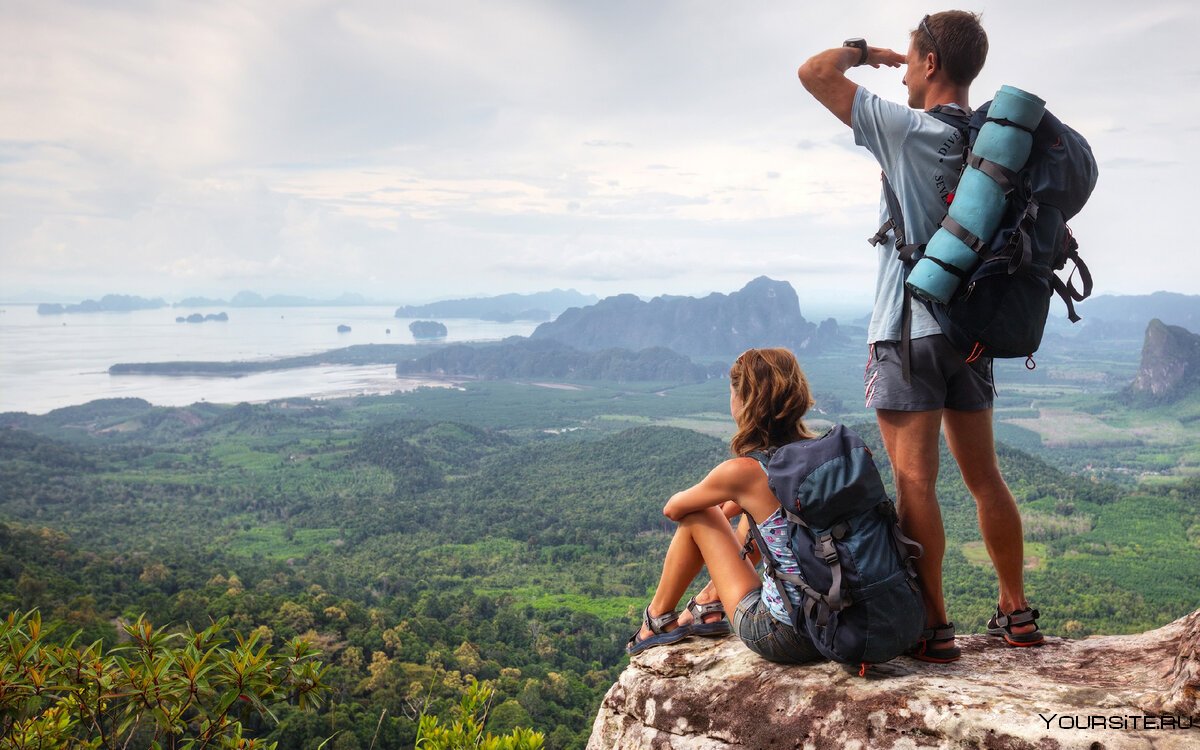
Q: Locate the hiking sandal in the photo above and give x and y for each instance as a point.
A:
(707, 629)
(1002, 625)
(934, 645)
(660, 637)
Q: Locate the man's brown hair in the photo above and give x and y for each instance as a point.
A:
(958, 42)
(774, 395)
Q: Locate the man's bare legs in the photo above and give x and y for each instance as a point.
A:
(969, 436)
(702, 538)
(911, 441)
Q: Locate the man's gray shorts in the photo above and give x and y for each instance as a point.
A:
(941, 378)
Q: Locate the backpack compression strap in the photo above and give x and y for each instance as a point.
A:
(823, 604)
(1067, 290)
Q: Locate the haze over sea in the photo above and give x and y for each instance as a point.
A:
(51, 361)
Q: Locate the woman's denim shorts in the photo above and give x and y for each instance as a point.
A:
(768, 637)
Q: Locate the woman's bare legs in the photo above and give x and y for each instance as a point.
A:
(703, 538)
(709, 592)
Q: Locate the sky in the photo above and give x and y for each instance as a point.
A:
(410, 151)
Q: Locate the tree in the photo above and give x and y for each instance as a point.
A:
(467, 730)
(172, 690)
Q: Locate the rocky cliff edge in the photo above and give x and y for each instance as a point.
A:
(1103, 692)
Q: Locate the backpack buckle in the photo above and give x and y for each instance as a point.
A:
(825, 550)
(747, 548)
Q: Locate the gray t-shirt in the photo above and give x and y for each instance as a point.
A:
(921, 156)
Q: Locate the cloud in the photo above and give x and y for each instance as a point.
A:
(1133, 162)
(424, 145)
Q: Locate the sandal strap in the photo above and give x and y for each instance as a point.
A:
(656, 624)
(700, 611)
(1020, 617)
(938, 632)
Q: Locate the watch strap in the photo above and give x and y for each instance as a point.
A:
(861, 46)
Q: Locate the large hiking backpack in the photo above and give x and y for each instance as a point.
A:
(1001, 309)
(861, 599)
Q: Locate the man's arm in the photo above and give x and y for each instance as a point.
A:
(824, 75)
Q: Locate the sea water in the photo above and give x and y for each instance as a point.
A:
(50, 361)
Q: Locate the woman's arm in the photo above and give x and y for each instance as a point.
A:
(723, 485)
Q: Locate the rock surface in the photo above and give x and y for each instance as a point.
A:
(1100, 693)
(1170, 365)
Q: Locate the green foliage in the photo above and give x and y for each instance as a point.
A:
(467, 729)
(503, 533)
(176, 690)
(517, 357)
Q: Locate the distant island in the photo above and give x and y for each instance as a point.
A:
(107, 303)
(220, 317)
(427, 329)
(361, 354)
(253, 299)
(505, 308)
(343, 328)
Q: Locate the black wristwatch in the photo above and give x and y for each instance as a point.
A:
(861, 45)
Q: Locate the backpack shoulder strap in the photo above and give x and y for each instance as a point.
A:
(761, 456)
(959, 119)
(952, 116)
(895, 223)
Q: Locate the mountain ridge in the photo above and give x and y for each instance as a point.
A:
(765, 312)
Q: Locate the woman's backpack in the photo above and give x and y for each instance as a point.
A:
(861, 602)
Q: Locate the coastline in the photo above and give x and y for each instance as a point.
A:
(319, 383)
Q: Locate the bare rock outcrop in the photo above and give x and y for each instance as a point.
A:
(1170, 366)
(1100, 693)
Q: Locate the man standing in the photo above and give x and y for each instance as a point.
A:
(931, 385)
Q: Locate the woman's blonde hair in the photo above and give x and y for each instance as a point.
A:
(774, 395)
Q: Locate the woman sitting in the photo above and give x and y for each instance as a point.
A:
(768, 397)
